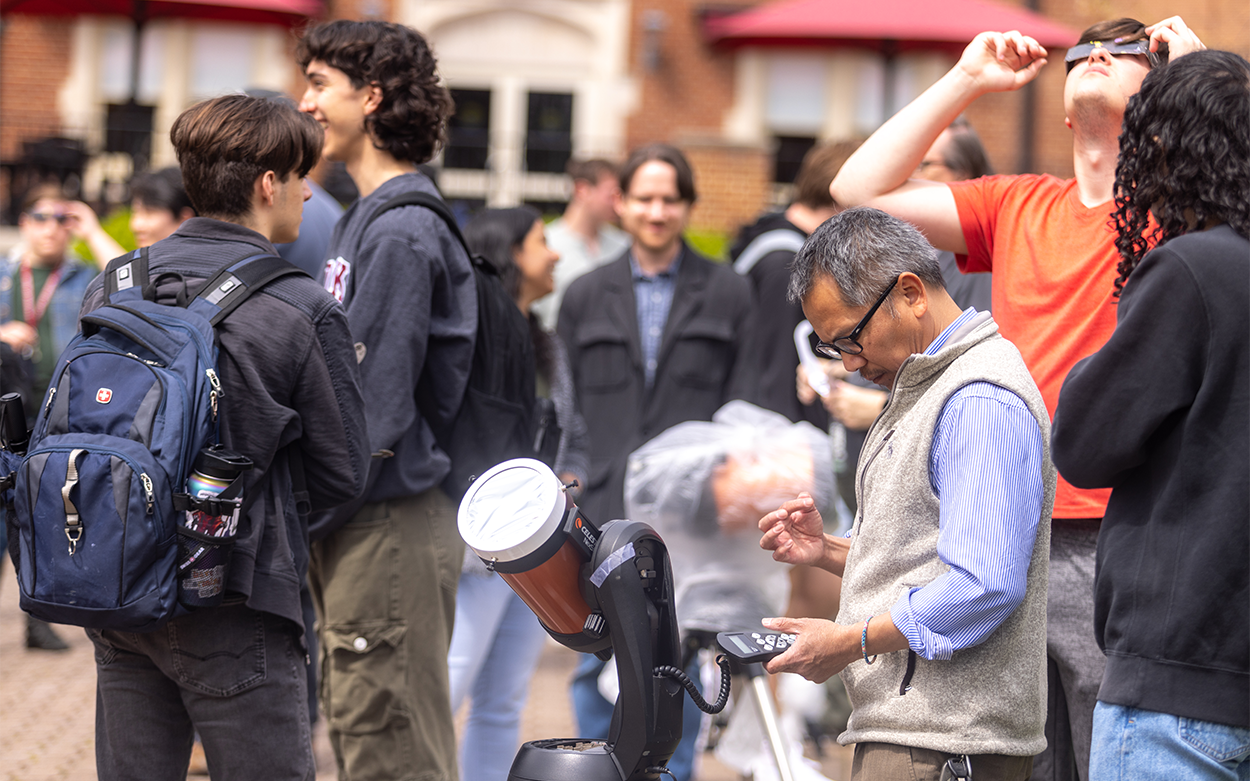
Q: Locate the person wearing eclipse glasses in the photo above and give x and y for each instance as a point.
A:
(41, 287)
(1050, 247)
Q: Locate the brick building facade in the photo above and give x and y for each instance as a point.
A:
(647, 73)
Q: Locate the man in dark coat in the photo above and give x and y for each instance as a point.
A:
(654, 339)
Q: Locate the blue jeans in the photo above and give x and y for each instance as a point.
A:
(494, 649)
(1131, 744)
(594, 713)
(233, 674)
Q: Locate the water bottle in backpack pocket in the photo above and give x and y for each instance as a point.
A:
(208, 524)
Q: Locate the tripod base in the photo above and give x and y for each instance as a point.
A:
(564, 759)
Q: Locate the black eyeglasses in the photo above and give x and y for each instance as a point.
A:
(41, 217)
(848, 344)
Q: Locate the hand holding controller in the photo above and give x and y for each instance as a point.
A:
(751, 647)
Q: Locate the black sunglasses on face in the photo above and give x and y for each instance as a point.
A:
(848, 344)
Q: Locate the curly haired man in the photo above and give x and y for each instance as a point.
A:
(383, 572)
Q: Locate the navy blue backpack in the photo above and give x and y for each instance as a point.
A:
(133, 399)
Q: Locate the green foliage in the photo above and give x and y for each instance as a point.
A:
(714, 244)
(117, 225)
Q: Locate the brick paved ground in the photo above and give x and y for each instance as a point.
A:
(47, 706)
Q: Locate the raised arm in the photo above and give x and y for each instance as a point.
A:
(86, 226)
(1176, 34)
(877, 174)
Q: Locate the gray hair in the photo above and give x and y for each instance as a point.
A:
(863, 251)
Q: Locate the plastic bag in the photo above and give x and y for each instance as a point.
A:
(704, 486)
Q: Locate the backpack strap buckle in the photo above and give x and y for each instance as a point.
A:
(73, 524)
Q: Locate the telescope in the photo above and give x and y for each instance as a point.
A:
(606, 590)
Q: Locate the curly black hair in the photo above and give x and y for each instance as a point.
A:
(410, 123)
(1184, 155)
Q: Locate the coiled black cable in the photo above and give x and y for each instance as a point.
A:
(680, 676)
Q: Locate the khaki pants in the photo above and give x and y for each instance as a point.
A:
(384, 586)
(888, 762)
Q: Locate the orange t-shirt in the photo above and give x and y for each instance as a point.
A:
(1054, 267)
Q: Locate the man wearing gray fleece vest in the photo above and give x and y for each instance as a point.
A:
(941, 633)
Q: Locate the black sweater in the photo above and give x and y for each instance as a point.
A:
(1161, 414)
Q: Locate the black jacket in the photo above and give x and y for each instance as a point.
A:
(288, 371)
(1161, 414)
(770, 349)
(697, 368)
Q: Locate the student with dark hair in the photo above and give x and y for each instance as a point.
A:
(1048, 243)
(585, 236)
(321, 212)
(158, 205)
(235, 673)
(497, 640)
(384, 569)
(655, 338)
(1172, 583)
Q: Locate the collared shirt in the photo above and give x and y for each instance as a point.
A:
(985, 465)
(653, 297)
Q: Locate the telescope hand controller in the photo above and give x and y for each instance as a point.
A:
(751, 647)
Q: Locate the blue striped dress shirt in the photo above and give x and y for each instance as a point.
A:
(653, 297)
(985, 466)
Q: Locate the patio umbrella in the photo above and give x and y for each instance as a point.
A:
(891, 27)
(904, 24)
(280, 12)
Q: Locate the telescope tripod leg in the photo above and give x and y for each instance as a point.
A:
(757, 684)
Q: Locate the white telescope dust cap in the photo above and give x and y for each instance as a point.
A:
(511, 510)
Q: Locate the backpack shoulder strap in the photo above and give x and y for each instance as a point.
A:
(127, 272)
(777, 240)
(237, 282)
(439, 207)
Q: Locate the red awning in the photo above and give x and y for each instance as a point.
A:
(908, 24)
(283, 12)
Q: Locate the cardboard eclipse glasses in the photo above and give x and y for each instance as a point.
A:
(1083, 50)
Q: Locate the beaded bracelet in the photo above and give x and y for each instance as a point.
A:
(863, 643)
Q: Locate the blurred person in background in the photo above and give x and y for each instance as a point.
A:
(586, 236)
(497, 638)
(655, 338)
(158, 205)
(763, 252)
(41, 288)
